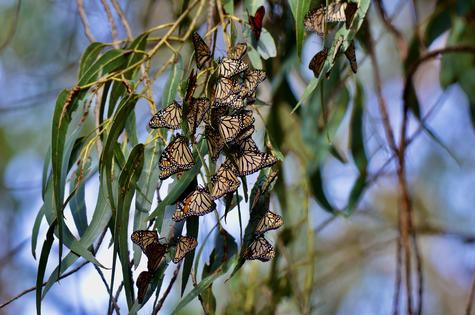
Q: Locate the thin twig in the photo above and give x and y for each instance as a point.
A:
(82, 14)
(401, 42)
(167, 291)
(110, 18)
(123, 19)
(405, 210)
(33, 288)
(471, 296)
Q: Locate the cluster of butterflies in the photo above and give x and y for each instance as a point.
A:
(260, 248)
(316, 20)
(155, 251)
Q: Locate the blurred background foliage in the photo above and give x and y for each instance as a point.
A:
(337, 189)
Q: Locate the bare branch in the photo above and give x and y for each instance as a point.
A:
(167, 291)
(112, 24)
(123, 19)
(85, 23)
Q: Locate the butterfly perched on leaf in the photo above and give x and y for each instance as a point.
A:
(176, 157)
(197, 203)
(315, 20)
(237, 52)
(252, 79)
(225, 181)
(226, 92)
(168, 117)
(143, 281)
(185, 244)
(230, 126)
(260, 249)
(249, 162)
(202, 52)
(228, 67)
(270, 221)
(151, 246)
(256, 22)
(350, 54)
(317, 62)
(215, 142)
(198, 107)
(190, 88)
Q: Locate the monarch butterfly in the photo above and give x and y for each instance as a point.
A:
(150, 245)
(238, 51)
(315, 19)
(351, 56)
(350, 11)
(198, 108)
(250, 162)
(202, 52)
(260, 249)
(184, 245)
(270, 221)
(248, 145)
(246, 133)
(143, 281)
(225, 92)
(177, 155)
(169, 117)
(215, 142)
(199, 202)
(256, 22)
(190, 89)
(164, 174)
(251, 80)
(317, 62)
(228, 67)
(143, 238)
(155, 253)
(225, 180)
(230, 126)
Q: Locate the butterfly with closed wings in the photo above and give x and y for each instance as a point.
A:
(260, 249)
(185, 244)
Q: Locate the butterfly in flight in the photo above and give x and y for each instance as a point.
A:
(199, 202)
(270, 221)
(317, 62)
(168, 117)
(202, 52)
(256, 22)
(260, 249)
(185, 244)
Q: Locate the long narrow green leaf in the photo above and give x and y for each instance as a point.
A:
(146, 186)
(89, 56)
(126, 107)
(42, 265)
(127, 181)
(357, 142)
(192, 226)
(174, 79)
(100, 219)
(299, 8)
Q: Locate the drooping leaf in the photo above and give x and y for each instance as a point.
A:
(299, 9)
